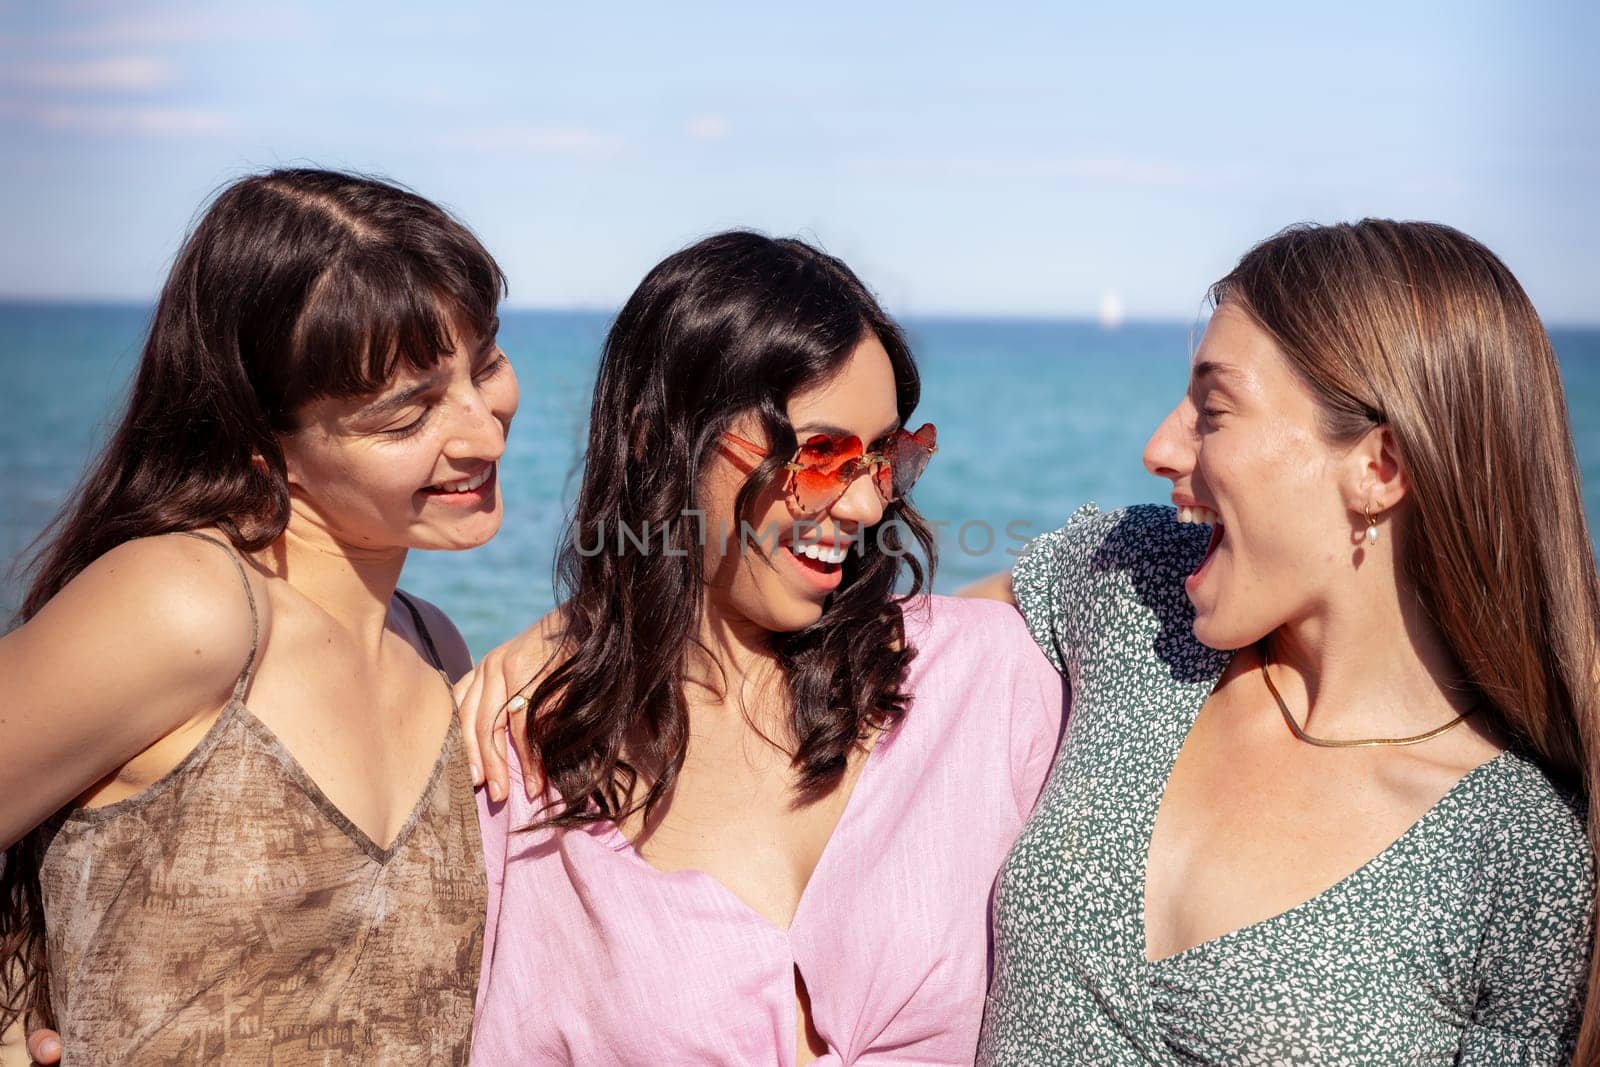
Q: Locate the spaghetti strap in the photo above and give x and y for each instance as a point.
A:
(422, 629)
(242, 685)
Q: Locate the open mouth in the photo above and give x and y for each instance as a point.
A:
(465, 488)
(824, 559)
(1199, 515)
(819, 565)
(1211, 546)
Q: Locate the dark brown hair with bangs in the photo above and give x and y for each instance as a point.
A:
(1418, 327)
(295, 285)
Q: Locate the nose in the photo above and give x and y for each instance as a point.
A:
(481, 419)
(1170, 451)
(860, 503)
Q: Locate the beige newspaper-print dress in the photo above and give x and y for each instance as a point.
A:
(231, 913)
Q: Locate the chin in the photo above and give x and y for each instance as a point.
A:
(462, 539)
(1219, 634)
(794, 617)
(490, 527)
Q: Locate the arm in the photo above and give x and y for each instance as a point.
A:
(1045, 571)
(148, 637)
(513, 669)
(994, 587)
(1533, 957)
(494, 823)
(1038, 720)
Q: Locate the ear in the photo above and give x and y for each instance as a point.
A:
(292, 466)
(1377, 477)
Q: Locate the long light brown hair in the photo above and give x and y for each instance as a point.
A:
(1418, 327)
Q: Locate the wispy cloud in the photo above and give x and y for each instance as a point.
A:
(180, 25)
(573, 142)
(708, 127)
(1084, 168)
(175, 122)
(111, 74)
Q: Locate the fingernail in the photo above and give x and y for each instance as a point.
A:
(477, 774)
(50, 1047)
(496, 794)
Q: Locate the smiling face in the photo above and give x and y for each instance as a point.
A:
(784, 590)
(1245, 450)
(414, 466)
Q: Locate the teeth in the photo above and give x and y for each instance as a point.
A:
(1197, 514)
(467, 486)
(823, 553)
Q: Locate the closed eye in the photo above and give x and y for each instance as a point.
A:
(492, 367)
(409, 428)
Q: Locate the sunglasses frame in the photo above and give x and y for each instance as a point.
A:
(863, 464)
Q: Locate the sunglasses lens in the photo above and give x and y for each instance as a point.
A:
(883, 481)
(825, 453)
(909, 457)
(827, 467)
(814, 491)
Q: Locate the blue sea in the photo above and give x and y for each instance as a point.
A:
(1034, 417)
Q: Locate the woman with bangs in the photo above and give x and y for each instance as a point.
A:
(757, 796)
(239, 816)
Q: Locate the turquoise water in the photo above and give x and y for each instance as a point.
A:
(1034, 418)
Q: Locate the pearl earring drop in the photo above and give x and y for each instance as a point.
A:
(1372, 525)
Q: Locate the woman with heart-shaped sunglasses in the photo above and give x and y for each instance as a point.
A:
(765, 793)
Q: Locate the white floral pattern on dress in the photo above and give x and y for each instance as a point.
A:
(1466, 941)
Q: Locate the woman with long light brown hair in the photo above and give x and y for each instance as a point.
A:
(1323, 799)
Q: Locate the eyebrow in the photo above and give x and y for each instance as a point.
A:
(1210, 368)
(390, 404)
(490, 336)
(840, 431)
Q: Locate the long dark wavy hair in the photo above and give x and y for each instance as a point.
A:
(1418, 327)
(737, 323)
(294, 285)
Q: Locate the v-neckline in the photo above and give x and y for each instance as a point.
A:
(619, 842)
(1148, 830)
(250, 721)
(380, 854)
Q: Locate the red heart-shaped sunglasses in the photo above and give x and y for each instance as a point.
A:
(825, 465)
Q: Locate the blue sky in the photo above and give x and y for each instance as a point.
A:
(1003, 159)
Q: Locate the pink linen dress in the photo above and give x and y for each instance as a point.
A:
(593, 956)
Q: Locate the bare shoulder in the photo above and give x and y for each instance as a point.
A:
(453, 650)
(147, 637)
(993, 587)
(176, 602)
(1420, 775)
(545, 643)
(527, 658)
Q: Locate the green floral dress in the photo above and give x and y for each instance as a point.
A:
(1465, 941)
